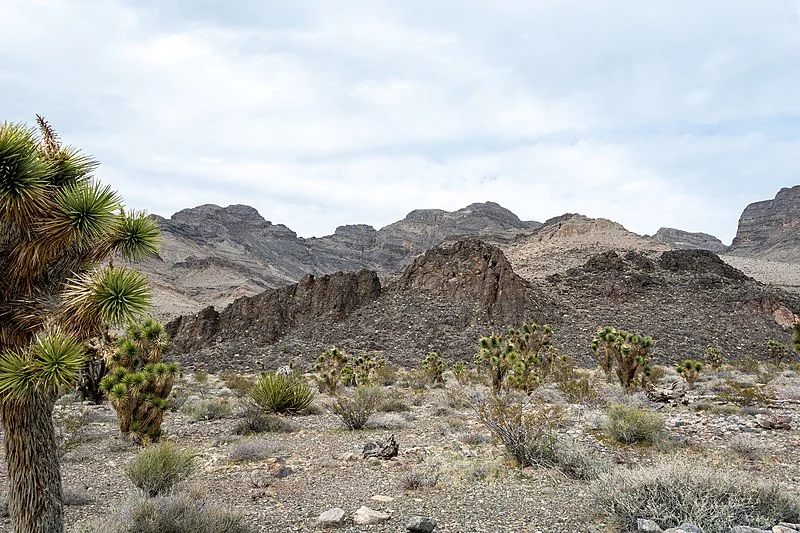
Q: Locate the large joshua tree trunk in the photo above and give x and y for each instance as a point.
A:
(34, 477)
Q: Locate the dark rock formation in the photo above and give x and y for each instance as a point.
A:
(770, 229)
(268, 316)
(684, 240)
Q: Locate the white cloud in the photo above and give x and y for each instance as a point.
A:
(656, 113)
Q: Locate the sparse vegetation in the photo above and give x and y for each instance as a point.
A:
(519, 358)
(419, 477)
(255, 420)
(207, 409)
(158, 468)
(329, 367)
(745, 394)
(629, 425)
(280, 393)
(356, 409)
(251, 450)
(776, 352)
(680, 490)
(713, 357)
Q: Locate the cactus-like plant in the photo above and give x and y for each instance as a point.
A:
(138, 382)
(628, 351)
(777, 352)
(690, 370)
(330, 365)
(520, 358)
(434, 366)
(713, 357)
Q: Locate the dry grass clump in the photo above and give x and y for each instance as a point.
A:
(678, 491)
(420, 477)
(356, 409)
(254, 420)
(158, 468)
(208, 409)
(179, 513)
(252, 450)
(746, 446)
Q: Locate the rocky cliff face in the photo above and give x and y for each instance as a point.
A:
(770, 229)
(684, 240)
(212, 255)
(442, 302)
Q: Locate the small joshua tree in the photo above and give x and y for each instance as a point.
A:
(629, 351)
(139, 382)
(520, 358)
(713, 357)
(330, 365)
(690, 370)
(776, 352)
(434, 366)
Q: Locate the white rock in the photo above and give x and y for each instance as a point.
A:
(364, 516)
(331, 517)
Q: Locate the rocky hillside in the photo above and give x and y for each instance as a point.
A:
(213, 255)
(684, 240)
(770, 229)
(447, 298)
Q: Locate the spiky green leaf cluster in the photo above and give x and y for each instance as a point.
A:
(281, 393)
(434, 366)
(139, 383)
(330, 366)
(627, 351)
(689, 370)
(519, 358)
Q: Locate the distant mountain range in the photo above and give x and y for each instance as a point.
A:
(213, 255)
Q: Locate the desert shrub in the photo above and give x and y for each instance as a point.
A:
(178, 513)
(329, 368)
(208, 409)
(629, 425)
(745, 394)
(393, 404)
(201, 376)
(139, 383)
(254, 420)
(575, 385)
(689, 370)
(280, 393)
(434, 366)
(240, 385)
(355, 409)
(713, 357)
(419, 477)
(576, 462)
(747, 447)
(359, 372)
(519, 358)
(385, 374)
(525, 428)
(414, 379)
(72, 430)
(747, 364)
(157, 469)
(678, 491)
(77, 496)
(475, 438)
(252, 450)
(627, 351)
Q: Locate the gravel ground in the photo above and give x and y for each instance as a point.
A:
(479, 489)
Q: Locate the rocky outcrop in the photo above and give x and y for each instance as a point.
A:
(770, 229)
(268, 316)
(211, 255)
(684, 240)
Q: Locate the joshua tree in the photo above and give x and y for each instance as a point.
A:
(630, 352)
(139, 383)
(434, 366)
(330, 365)
(58, 227)
(520, 358)
(777, 352)
(689, 370)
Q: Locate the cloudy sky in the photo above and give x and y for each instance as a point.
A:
(320, 113)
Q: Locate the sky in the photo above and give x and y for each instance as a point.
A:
(673, 113)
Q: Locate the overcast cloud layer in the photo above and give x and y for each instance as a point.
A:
(661, 113)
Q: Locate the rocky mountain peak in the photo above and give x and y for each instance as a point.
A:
(686, 240)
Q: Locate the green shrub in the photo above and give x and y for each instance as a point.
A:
(679, 491)
(240, 385)
(629, 425)
(713, 357)
(355, 409)
(208, 409)
(746, 394)
(279, 393)
(575, 385)
(157, 469)
(178, 513)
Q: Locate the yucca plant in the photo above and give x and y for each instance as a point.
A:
(139, 383)
(59, 228)
(280, 393)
